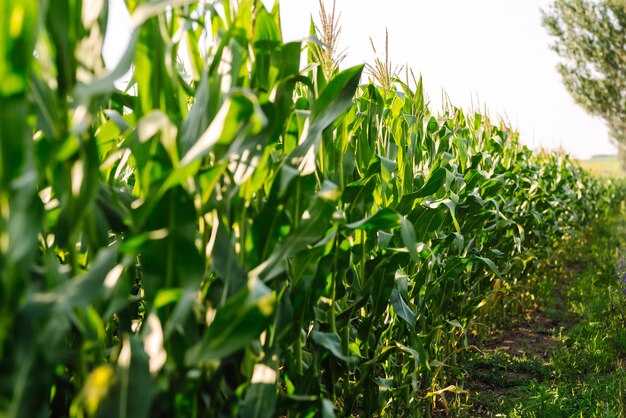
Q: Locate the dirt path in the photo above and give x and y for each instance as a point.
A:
(565, 357)
(519, 353)
(535, 339)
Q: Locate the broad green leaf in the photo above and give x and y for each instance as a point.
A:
(184, 305)
(225, 263)
(260, 397)
(492, 266)
(408, 236)
(328, 409)
(433, 184)
(265, 27)
(401, 308)
(383, 219)
(135, 382)
(239, 115)
(309, 232)
(237, 323)
(335, 99)
(80, 291)
(331, 342)
(198, 118)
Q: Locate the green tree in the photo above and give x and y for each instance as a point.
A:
(590, 37)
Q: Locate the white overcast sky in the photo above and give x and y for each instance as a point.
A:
(494, 52)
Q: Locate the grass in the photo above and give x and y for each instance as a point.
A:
(604, 166)
(570, 361)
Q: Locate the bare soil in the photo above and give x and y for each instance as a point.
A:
(534, 339)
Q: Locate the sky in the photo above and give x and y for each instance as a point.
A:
(490, 53)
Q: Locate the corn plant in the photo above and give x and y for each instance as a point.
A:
(243, 234)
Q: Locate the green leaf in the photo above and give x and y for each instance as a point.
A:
(455, 323)
(225, 263)
(238, 322)
(335, 99)
(184, 306)
(408, 236)
(106, 83)
(199, 116)
(328, 409)
(435, 181)
(260, 398)
(310, 231)
(135, 390)
(383, 219)
(265, 27)
(401, 308)
(490, 264)
(331, 342)
(79, 291)
(239, 115)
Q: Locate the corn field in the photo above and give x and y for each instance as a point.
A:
(248, 232)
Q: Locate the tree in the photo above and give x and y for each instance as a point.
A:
(591, 40)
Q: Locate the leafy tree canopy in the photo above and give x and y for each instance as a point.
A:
(591, 40)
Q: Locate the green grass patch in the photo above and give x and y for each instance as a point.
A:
(584, 371)
(604, 166)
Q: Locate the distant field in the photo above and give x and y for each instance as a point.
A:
(604, 166)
